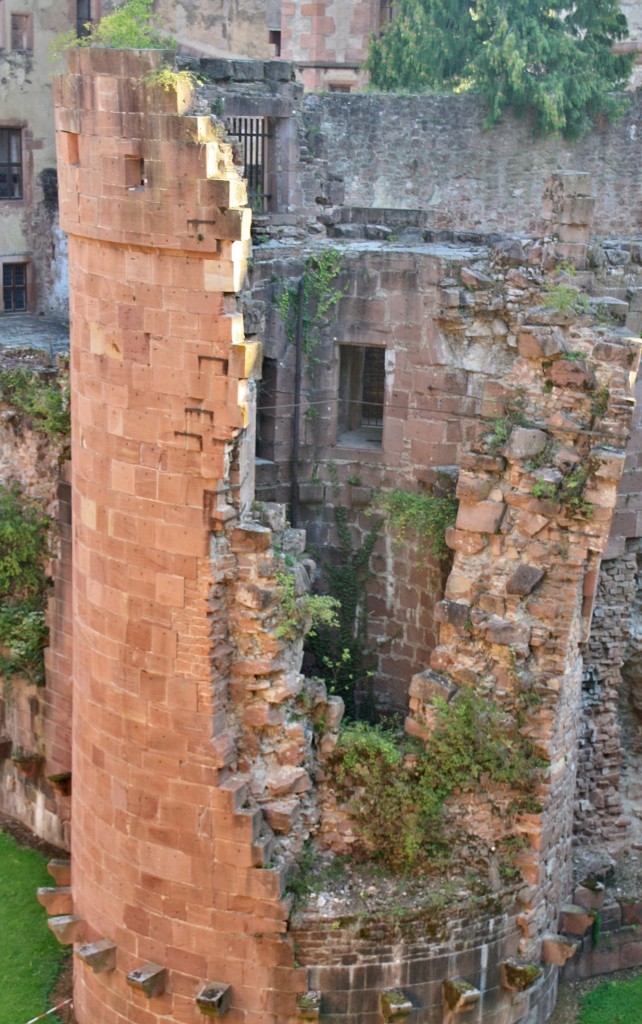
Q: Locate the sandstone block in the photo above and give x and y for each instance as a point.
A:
(525, 442)
(467, 543)
(531, 523)
(428, 685)
(540, 342)
(60, 870)
(475, 279)
(575, 920)
(395, 1005)
(557, 949)
(517, 976)
(459, 995)
(288, 779)
(471, 487)
(57, 900)
(452, 612)
(572, 373)
(483, 517)
(416, 729)
(631, 912)
(334, 713)
(67, 928)
(509, 634)
(591, 897)
(151, 979)
(100, 956)
(282, 814)
(214, 999)
(524, 580)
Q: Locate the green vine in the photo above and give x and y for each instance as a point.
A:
(427, 516)
(344, 659)
(23, 585)
(46, 402)
(302, 614)
(320, 296)
(397, 788)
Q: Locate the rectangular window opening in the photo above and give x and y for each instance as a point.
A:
(134, 172)
(362, 382)
(83, 18)
(274, 37)
(10, 163)
(252, 133)
(21, 32)
(14, 287)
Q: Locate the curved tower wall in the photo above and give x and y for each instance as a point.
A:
(166, 865)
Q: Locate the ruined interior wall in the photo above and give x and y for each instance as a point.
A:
(326, 36)
(431, 153)
(38, 718)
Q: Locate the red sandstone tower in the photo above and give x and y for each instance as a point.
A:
(171, 899)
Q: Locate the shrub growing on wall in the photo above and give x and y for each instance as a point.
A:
(23, 585)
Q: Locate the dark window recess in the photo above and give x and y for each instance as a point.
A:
(14, 287)
(335, 87)
(21, 32)
(275, 39)
(266, 412)
(10, 163)
(134, 173)
(83, 17)
(362, 381)
(252, 133)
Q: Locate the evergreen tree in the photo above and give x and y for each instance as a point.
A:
(554, 59)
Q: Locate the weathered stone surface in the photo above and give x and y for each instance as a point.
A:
(56, 900)
(214, 999)
(466, 542)
(484, 517)
(428, 685)
(67, 928)
(500, 631)
(453, 612)
(459, 995)
(60, 870)
(557, 949)
(100, 956)
(517, 976)
(334, 713)
(309, 1006)
(575, 920)
(525, 442)
(631, 912)
(395, 1005)
(475, 279)
(151, 979)
(572, 373)
(524, 580)
(540, 342)
(281, 814)
(591, 897)
(288, 779)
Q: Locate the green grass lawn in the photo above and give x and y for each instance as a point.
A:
(614, 1002)
(30, 956)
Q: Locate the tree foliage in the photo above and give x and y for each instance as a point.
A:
(553, 59)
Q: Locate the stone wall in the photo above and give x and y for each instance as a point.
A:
(34, 718)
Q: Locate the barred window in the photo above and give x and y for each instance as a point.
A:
(14, 287)
(10, 163)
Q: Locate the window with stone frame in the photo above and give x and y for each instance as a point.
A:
(21, 32)
(83, 17)
(14, 287)
(362, 384)
(10, 163)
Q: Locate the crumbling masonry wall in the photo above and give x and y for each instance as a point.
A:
(176, 883)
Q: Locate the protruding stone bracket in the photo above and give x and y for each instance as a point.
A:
(151, 979)
(517, 975)
(557, 949)
(60, 870)
(214, 999)
(575, 920)
(589, 895)
(56, 899)
(460, 995)
(395, 1005)
(100, 956)
(68, 928)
